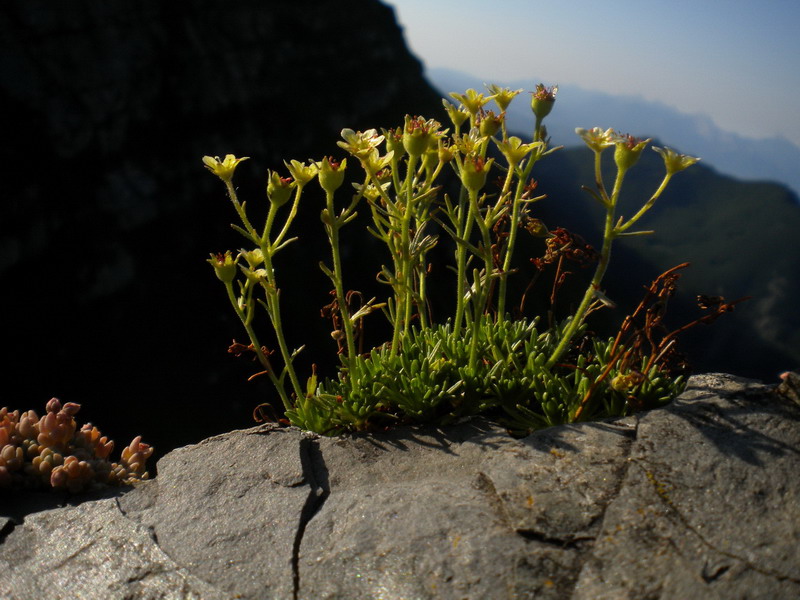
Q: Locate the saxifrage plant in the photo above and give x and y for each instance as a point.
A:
(526, 372)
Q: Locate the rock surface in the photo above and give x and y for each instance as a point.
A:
(700, 499)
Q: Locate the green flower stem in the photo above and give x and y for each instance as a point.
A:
(273, 304)
(405, 244)
(473, 346)
(464, 229)
(484, 225)
(481, 298)
(272, 294)
(598, 178)
(333, 236)
(387, 235)
(537, 130)
(401, 257)
(429, 182)
(249, 229)
(290, 218)
(423, 294)
(609, 234)
(647, 206)
(512, 232)
(266, 245)
(246, 320)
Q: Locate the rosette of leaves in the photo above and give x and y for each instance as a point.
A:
(432, 379)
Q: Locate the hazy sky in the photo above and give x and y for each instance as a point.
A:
(737, 61)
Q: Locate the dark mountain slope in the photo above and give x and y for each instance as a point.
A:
(108, 214)
(740, 237)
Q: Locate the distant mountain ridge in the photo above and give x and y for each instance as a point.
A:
(773, 159)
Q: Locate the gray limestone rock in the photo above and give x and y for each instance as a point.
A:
(696, 500)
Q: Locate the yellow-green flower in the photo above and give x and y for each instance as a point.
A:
(472, 100)
(673, 161)
(489, 124)
(374, 162)
(223, 168)
(419, 134)
(467, 143)
(628, 150)
(502, 96)
(457, 116)
(474, 172)
(331, 174)
(302, 173)
(253, 257)
(255, 275)
(597, 139)
(360, 144)
(279, 189)
(514, 150)
(446, 152)
(224, 266)
(394, 141)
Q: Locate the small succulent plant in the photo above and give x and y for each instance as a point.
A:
(51, 452)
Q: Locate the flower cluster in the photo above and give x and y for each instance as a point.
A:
(485, 355)
(51, 452)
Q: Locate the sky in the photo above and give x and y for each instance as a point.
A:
(736, 61)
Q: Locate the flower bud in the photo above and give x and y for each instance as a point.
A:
(628, 150)
(457, 116)
(331, 174)
(543, 100)
(224, 266)
(489, 124)
(419, 134)
(394, 141)
(446, 153)
(279, 189)
(474, 172)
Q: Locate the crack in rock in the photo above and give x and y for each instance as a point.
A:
(537, 514)
(316, 475)
(578, 542)
(717, 572)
